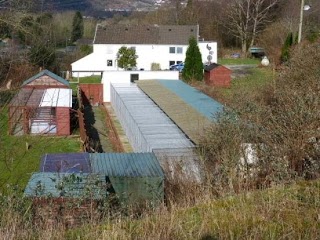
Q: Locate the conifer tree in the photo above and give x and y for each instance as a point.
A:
(193, 67)
(77, 27)
(285, 51)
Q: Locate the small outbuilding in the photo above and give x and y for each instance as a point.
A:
(136, 178)
(65, 198)
(42, 106)
(217, 75)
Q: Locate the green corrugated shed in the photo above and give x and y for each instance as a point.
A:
(67, 185)
(137, 178)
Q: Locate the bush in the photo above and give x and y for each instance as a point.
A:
(282, 125)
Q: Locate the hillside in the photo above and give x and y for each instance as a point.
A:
(92, 6)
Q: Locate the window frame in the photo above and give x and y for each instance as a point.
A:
(108, 63)
(181, 50)
(172, 50)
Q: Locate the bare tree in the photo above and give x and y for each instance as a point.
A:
(247, 18)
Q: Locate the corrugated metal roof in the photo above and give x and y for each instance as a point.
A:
(45, 184)
(198, 100)
(126, 164)
(48, 73)
(146, 126)
(66, 163)
(56, 97)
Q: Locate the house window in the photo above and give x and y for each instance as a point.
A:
(109, 63)
(179, 50)
(178, 62)
(172, 63)
(172, 50)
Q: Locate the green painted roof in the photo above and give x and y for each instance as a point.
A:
(126, 164)
(50, 74)
(75, 185)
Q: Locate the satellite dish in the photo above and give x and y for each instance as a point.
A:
(209, 58)
(211, 52)
(208, 47)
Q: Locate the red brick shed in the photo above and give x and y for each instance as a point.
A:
(217, 75)
(42, 106)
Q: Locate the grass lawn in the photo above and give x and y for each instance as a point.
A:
(16, 162)
(238, 61)
(255, 79)
(91, 79)
(258, 77)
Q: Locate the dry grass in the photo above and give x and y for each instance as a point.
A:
(281, 212)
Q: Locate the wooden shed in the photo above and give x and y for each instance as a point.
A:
(42, 106)
(217, 75)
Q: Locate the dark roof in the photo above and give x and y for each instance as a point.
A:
(126, 164)
(84, 41)
(48, 73)
(145, 34)
(208, 68)
(65, 163)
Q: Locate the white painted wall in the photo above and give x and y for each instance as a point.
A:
(124, 77)
(91, 62)
(147, 54)
(203, 47)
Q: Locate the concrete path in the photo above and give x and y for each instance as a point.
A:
(97, 129)
(122, 136)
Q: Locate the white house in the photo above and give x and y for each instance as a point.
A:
(162, 44)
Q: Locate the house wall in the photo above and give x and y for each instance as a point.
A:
(124, 77)
(204, 47)
(94, 64)
(92, 93)
(147, 54)
(63, 121)
(45, 82)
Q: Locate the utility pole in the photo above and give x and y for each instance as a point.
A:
(300, 21)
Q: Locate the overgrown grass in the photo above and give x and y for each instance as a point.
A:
(257, 78)
(252, 81)
(17, 162)
(282, 212)
(238, 61)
